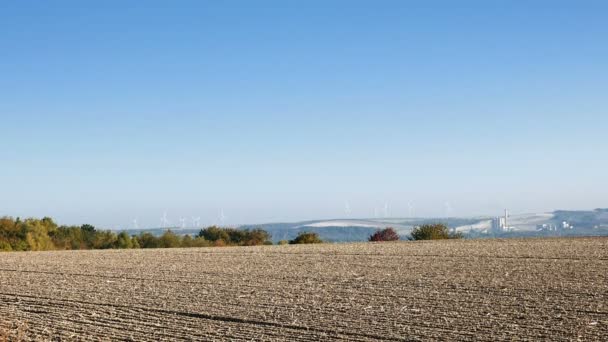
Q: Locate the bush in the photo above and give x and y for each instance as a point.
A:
(283, 242)
(105, 239)
(147, 240)
(5, 246)
(200, 242)
(45, 234)
(124, 241)
(306, 237)
(214, 234)
(388, 234)
(235, 237)
(257, 237)
(219, 243)
(437, 231)
(169, 240)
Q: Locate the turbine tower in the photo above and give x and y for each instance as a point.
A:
(347, 209)
(196, 221)
(222, 217)
(163, 220)
(448, 209)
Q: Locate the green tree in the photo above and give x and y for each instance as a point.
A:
(5, 246)
(214, 233)
(257, 237)
(305, 238)
(49, 225)
(236, 236)
(437, 231)
(37, 234)
(200, 242)
(124, 241)
(88, 233)
(87, 228)
(147, 240)
(135, 242)
(187, 241)
(169, 240)
(12, 233)
(69, 237)
(105, 239)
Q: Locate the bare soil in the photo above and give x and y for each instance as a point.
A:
(476, 290)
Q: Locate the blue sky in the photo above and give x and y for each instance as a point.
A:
(288, 110)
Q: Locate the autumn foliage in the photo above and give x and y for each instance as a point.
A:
(387, 234)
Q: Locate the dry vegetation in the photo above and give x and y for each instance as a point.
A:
(12, 329)
(551, 289)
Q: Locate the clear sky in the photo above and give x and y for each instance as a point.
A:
(289, 110)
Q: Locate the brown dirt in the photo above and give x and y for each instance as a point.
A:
(481, 290)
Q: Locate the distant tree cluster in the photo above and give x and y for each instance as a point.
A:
(305, 238)
(44, 234)
(388, 234)
(235, 237)
(434, 231)
(170, 240)
(437, 231)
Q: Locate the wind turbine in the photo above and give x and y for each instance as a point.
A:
(410, 209)
(386, 211)
(163, 220)
(448, 209)
(135, 225)
(196, 221)
(347, 209)
(182, 222)
(222, 217)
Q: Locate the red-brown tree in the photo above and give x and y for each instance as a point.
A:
(387, 234)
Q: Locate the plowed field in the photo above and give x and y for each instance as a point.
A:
(482, 290)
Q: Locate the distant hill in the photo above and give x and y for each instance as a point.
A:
(584, 219)
(592, 222)
(329, 230)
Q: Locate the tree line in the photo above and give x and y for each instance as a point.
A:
(432, 231)
(44, 234)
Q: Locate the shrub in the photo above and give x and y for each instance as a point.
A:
(388, 234)
(232, 236)
(105, 239)
(214, 234)
(256, 237)
(45, 234)
(437, 231)
(187, 241)
(169, 240)
(219, 243)
(200, 242)
(306, 237)
(5, 246)
(147, 240)
(135, 242)
(124, 241)
(283, 242)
